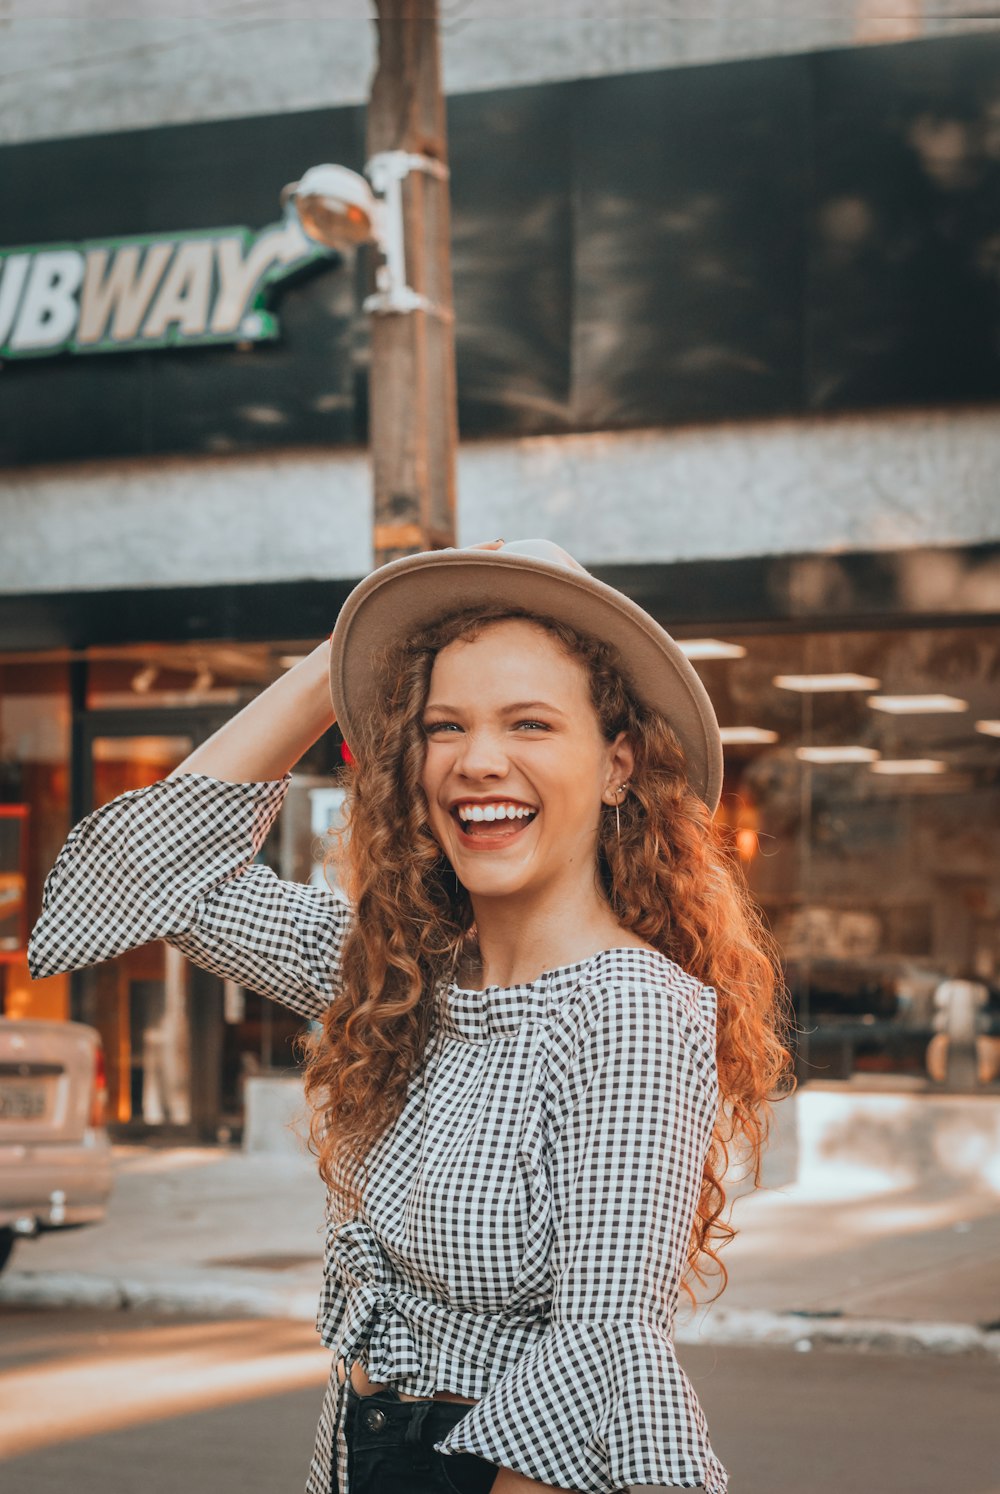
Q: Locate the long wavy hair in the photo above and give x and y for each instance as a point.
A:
(672, 878)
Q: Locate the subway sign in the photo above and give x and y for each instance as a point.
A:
(121, 295)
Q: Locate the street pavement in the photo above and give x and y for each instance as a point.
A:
(115, 1402)
(219, 1232)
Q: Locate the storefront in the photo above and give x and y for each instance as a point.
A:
(182, 368)
(179, 1044)
(861, 791)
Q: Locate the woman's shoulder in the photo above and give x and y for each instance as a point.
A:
(630, 977)
(639, 967)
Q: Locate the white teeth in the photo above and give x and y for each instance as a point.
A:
(478, 812)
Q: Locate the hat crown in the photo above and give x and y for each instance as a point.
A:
(542, 549)
(539, 576)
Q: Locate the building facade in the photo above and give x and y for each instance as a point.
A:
(728, 328)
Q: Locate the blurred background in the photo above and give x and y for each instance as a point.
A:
(726, 293)
(710, 297)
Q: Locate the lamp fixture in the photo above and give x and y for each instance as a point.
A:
(334, 206)
(817, 683)
(710, 648)
(902, 765)
(831, 755)
(337, 207)
(736, 736)
(917, 705)
(142, 680)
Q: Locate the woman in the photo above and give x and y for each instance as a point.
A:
(547, 1007)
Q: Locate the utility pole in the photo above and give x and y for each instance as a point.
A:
(413, 423)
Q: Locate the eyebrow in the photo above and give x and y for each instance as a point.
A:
(521, 705)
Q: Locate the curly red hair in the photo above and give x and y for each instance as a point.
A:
(671, 877)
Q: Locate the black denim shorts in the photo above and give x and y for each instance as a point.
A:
(390, 1447)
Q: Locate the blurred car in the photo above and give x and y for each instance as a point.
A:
(55, 1155)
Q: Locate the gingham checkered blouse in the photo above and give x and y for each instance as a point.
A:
(527, 1216)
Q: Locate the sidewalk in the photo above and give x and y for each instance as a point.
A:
(219, 1232)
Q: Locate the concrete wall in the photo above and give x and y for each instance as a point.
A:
(784, 487)
(850, 1143)
(826, 1142)
(276, 1117)
(88, 66)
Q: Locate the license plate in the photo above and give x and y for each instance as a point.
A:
(22, 1101)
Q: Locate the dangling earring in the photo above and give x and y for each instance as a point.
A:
(621, 789)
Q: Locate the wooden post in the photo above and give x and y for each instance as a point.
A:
(412, 400)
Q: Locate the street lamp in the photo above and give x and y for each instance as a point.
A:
(336, 207)
(402, 198)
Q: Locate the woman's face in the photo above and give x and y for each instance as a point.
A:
(516, 763)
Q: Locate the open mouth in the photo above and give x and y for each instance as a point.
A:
(492, 822)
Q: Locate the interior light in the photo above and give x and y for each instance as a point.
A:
(710, 648)
(819, 682)
(837, 754)
(733, 736)
(916, 705)
(991, 728)
(143, 678)
(909, 765)
(746, 843)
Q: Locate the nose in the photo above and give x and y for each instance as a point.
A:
(482, 755)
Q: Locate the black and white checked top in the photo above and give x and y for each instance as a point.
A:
(527, 1216)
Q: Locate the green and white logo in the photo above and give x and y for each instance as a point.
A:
(150, 291)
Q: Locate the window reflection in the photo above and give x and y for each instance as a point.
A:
(862, 785)
(861, 793)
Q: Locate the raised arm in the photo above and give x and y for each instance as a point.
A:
(176, 861)
(265, 740)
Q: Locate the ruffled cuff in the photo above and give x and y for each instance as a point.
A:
(598, 1408)
(134, 870)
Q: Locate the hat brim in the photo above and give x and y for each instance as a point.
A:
(399, 599)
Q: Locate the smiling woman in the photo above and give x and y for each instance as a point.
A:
(545, 1011)
(514, 802)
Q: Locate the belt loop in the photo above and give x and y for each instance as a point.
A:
(415, 1426)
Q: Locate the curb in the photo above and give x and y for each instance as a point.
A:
(734, 1326)
(805, 1331)
(198, 1297)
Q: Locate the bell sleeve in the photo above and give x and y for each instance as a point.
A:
(600, 1403)
(175, 861)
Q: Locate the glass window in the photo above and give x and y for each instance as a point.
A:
(34, 798)
(862, 791)
(147, 706)
(178, 1050)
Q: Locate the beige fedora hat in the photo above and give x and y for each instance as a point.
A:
(400, 598)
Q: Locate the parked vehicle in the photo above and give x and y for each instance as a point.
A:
(55, 1156)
